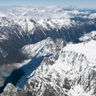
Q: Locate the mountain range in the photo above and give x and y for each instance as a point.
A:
(48, 51)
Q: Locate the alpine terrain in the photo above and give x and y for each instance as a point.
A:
(47, 51)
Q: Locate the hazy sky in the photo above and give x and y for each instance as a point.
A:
(64, 3)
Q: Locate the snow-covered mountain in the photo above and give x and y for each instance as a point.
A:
(59, 45)
(72, 72)
(88, 37)
(35, 53)
(21, 26)
(43, 48)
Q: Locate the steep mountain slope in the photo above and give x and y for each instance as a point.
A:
(72, 72)
(43, 48)
(22, 26)
(36, 53)
(88, 37)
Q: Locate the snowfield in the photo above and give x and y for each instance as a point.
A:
(86, 48)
